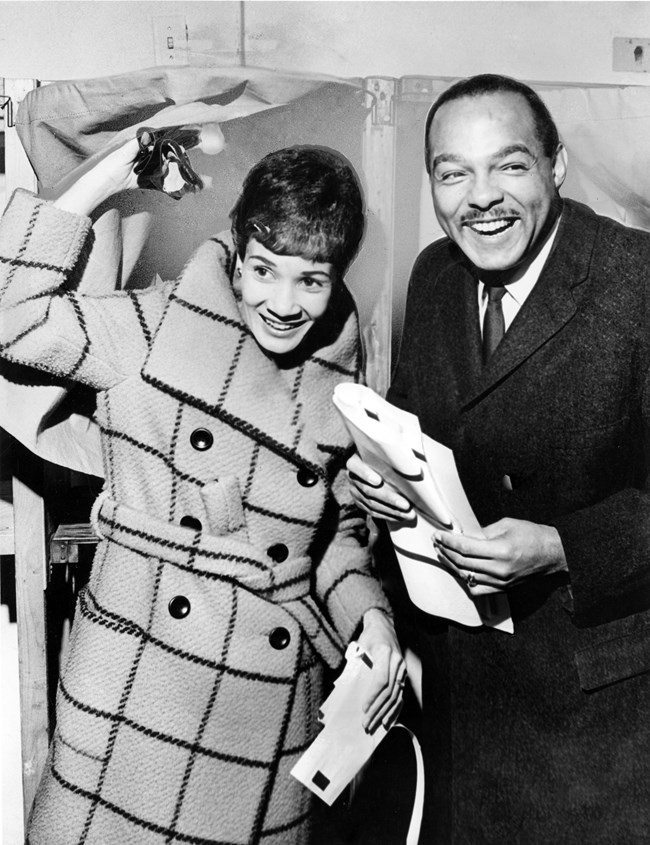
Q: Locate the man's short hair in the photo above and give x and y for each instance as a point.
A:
(301, 200)
(491, 83)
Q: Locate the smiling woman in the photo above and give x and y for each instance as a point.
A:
(297, 226)
(232, 566)
(282, 296)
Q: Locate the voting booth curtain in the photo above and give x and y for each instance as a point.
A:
(65, 126)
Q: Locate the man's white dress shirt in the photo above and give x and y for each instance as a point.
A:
(519, 289)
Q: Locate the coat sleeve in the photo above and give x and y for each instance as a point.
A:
(43, 323)
(346, 582)
(607, 545)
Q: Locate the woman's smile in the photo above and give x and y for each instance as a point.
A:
(282, 326)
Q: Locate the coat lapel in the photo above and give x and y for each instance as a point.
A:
(463, 318)
(204, 355)
(550, 305)
(456, 353)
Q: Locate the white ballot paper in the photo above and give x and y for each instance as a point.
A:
(391, 442)
(342, 747)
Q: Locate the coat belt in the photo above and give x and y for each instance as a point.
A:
(287, 584)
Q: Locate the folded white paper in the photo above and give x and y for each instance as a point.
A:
(342, 747)
(424, 471)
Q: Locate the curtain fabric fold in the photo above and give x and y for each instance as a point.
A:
(65, 127)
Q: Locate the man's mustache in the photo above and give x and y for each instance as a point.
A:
(489, 216)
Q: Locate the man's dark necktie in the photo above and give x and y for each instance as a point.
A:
(493, 323)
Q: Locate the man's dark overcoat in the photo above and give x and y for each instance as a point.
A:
(232, 564)
(544, 736)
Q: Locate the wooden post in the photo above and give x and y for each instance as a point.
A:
(29, 535)
(379, 151)
(19, 173)
(31, 574)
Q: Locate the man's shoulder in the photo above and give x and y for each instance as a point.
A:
(441, 250)
(436, 258)
(606, 251)
(605, 227)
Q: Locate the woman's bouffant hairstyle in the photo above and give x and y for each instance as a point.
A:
(492, 83)
(303, 201)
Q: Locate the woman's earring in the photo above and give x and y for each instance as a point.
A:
(239, 272)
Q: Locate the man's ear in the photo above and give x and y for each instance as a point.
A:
(560, 162)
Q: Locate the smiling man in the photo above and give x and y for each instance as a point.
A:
(494, 181)
(526, 349)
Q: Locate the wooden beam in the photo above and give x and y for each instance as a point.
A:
(31, 569)
(378, 157)
(29, 535)
(18, 170)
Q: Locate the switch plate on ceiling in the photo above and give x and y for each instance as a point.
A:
(170, 39)
(632, 54)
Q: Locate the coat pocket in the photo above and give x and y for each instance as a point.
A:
(102, 654)
(614, 659)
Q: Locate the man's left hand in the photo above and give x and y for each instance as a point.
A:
(511, 551)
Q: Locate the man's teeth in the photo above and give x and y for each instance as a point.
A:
(491, 227)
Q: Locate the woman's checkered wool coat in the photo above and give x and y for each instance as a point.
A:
(232, 562)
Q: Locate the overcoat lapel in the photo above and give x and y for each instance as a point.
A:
(549, 307)
(456, 354)
(230, 377)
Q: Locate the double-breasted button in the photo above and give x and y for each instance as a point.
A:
(201, 439)
(278, 552)
(306, 478)
(179, 607)
(279, 638)
(191, 522)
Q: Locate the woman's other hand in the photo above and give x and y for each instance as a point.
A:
(379, 640)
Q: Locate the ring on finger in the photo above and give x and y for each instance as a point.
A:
(470, 578)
